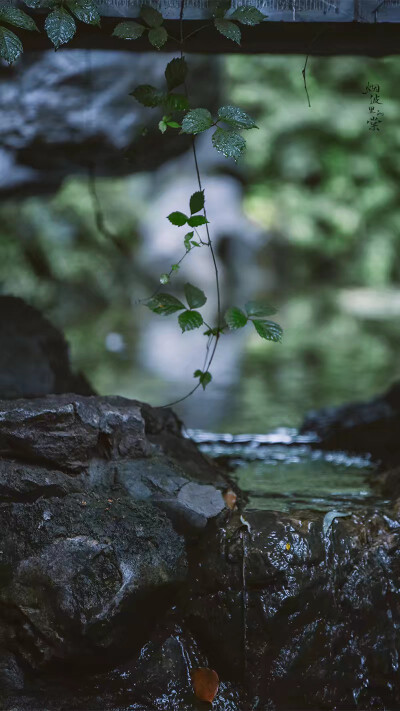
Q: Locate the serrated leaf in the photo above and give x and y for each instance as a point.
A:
(196, 121)
(178, 218)
(85, 11)
(194, 296)
(230, 143)
(235, 318)
(148, 95)
(256, 310)
(151, 16)
(158, 37)
(189, 320)
(60, 26)
(197, 221)
(129, 30)
(176, 72)
(186, 240)
(205, 378)
(165, 304)
(18, 18)
(248, 15)
(10, 45)
(228, 29)
(236, 117)
(269, 330)
(40, 4)
(197, 202)
(176, 102)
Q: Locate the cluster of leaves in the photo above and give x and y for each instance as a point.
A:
(227, 140)
(59, 25)
(153, 19)
(256, 314)
(149, 96)
(228, 26)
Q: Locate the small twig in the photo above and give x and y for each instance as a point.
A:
(304, 70)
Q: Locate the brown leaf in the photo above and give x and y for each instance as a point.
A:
(230, 499)
(205, 683)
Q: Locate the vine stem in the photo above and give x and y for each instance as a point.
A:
(208, 358)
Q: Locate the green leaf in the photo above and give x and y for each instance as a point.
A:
(197, 202)
(18, 18)
(235, 318)
(213, 331)
(152, 17)
(175, 267)
(236, 117)
(196, 121)
(194, 296)
(60, 26)
(164, 279)
(230, 143)
(173, 124)
(186, 240)
(176, 102)
(85, 11)
(40, 4)
(10, 45)
(256, 310)
(178, 218)
(158, 37)
(129, 30)
(148, 95)
(190, 320)
(248, 15)
(176, 72)
(205, 378)
(222, 8)
(197, 221)
(228, 29)
(162, 126)
(165, 304)
(269, 330)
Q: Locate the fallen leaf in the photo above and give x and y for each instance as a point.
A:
(230, 499)
(205, 683)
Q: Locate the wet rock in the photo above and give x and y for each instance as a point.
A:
(372, 426)
(34, 359)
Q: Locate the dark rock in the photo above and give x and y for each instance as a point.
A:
(371, 426)
(34, 359)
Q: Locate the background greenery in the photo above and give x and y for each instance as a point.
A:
(325, 190)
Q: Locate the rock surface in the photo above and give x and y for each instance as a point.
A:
(372, 426)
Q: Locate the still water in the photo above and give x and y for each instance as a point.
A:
(282, 471)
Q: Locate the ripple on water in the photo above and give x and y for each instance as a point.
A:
(281, 471)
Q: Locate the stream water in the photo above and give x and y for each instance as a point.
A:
(284, 470)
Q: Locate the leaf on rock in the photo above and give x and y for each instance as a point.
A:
(129, 30)
(236, 117)
(10, 45)
(189, 320)
(230, 143)
(196, 121)
(269, 330)
(235, 318)
(194, 296)
(205, 683)
(228, 29)
(176, 72)
(60, 27)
